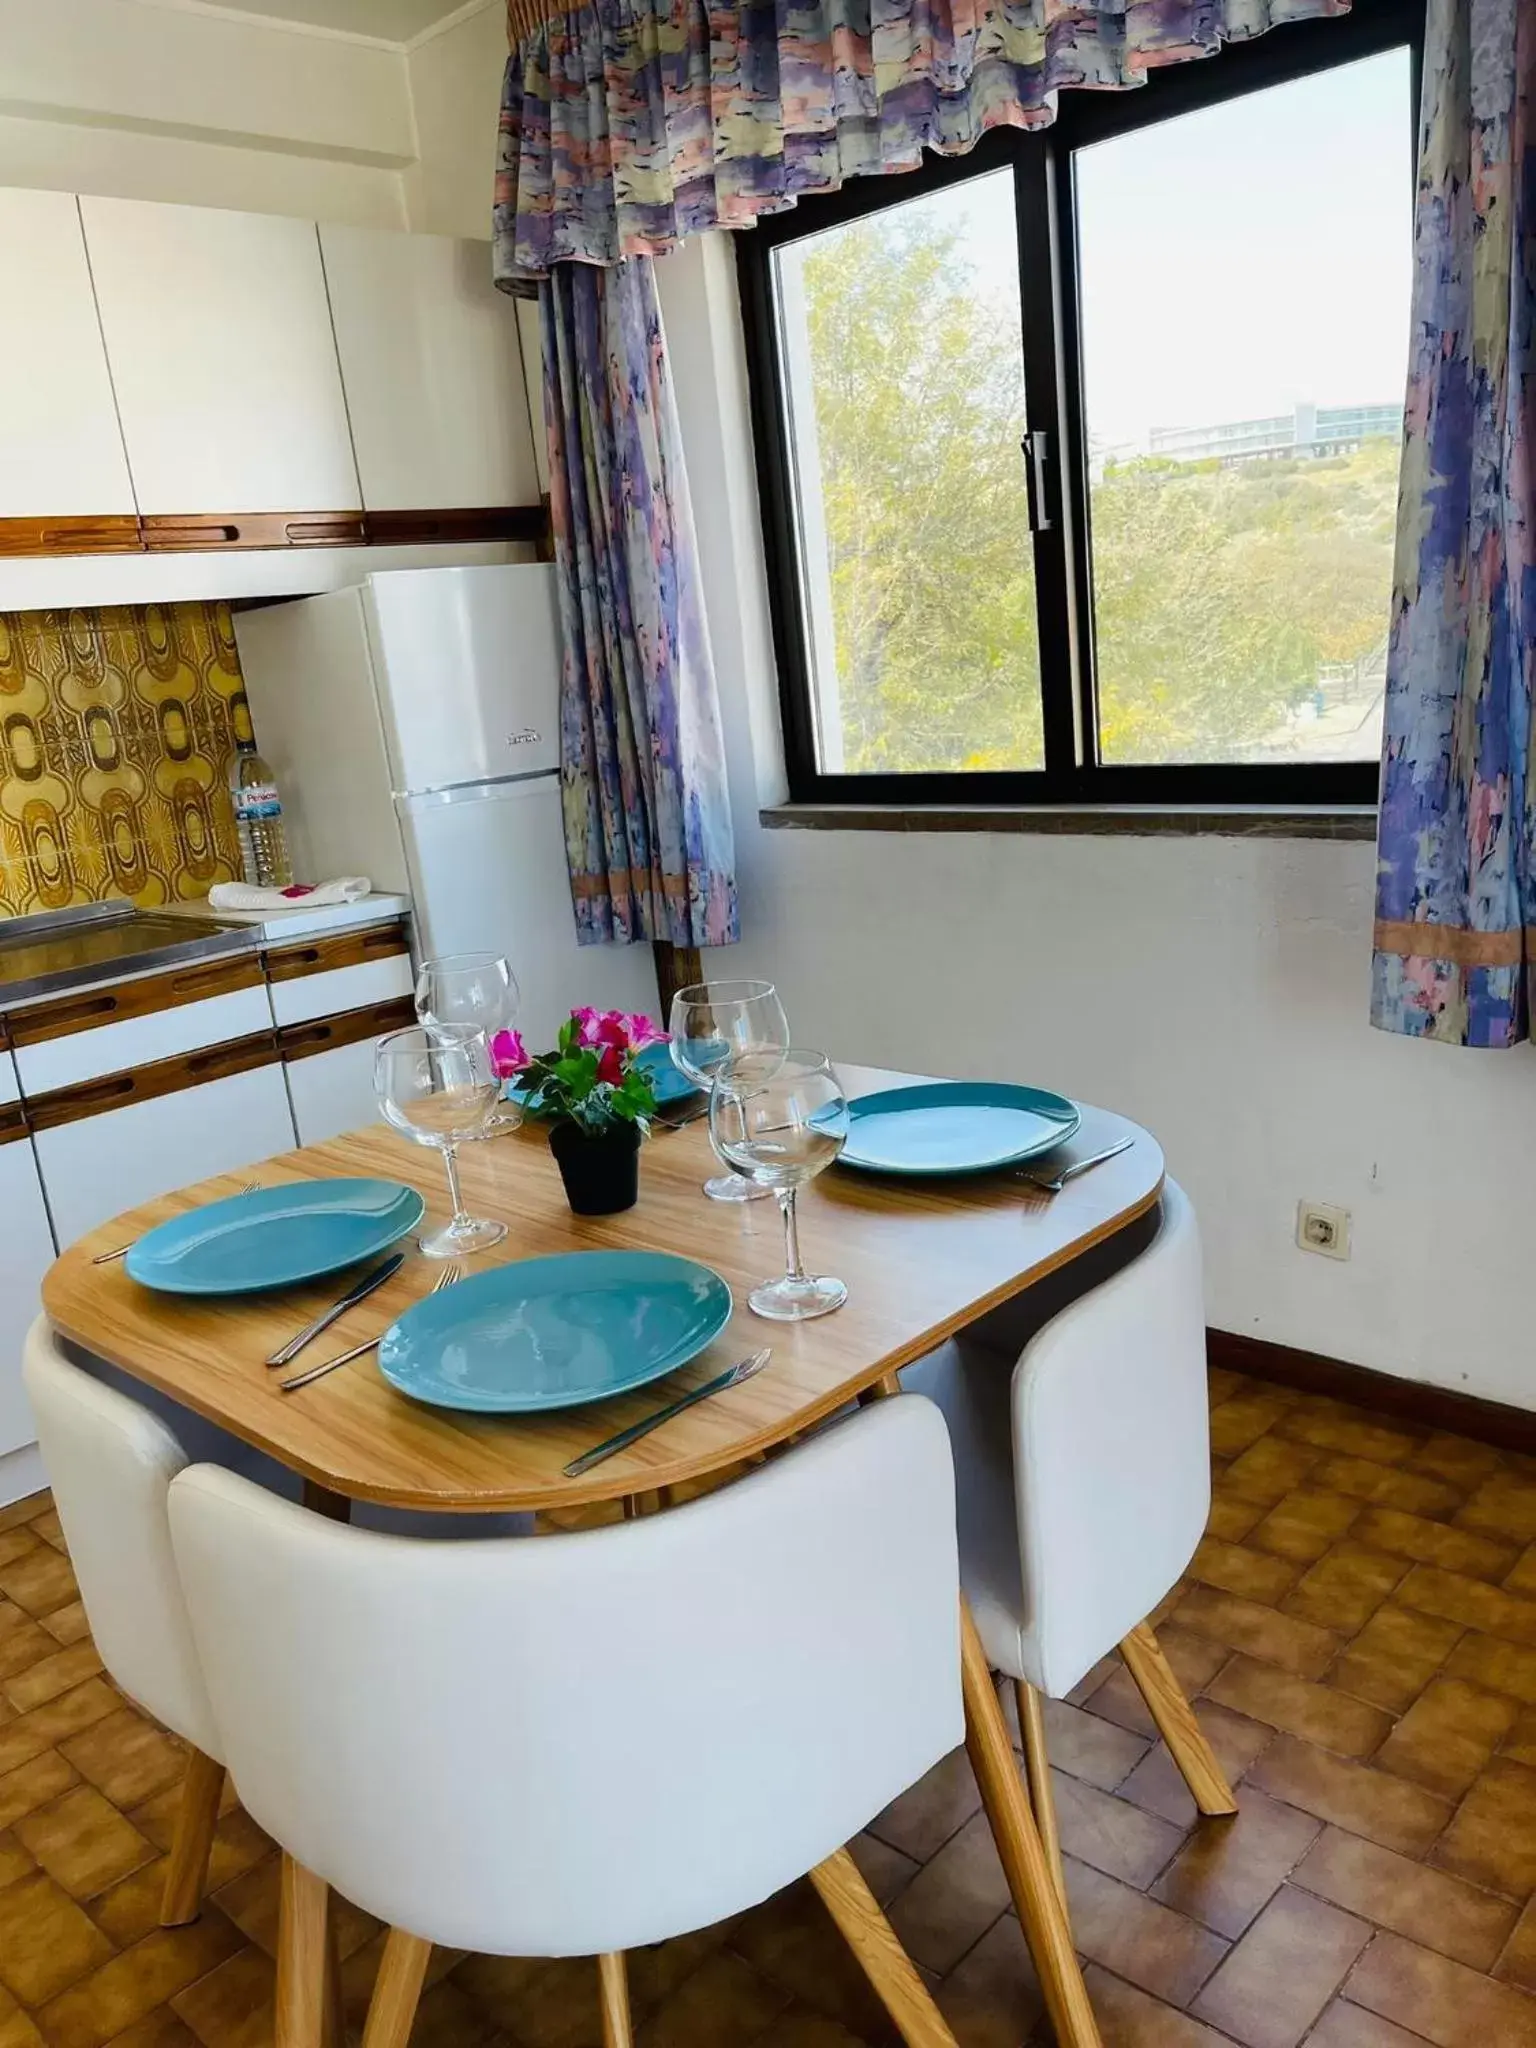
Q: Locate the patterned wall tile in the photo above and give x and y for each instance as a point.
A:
(116, 728)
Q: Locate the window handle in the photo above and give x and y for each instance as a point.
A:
(1037, 454)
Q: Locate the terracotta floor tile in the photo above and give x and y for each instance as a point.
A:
(1129, 2018)
(19, 1511)
(33, 1785)
(1247, 1625)
(885, 1870)
(83, 1842)
(46, 1942)
(1284, 1971)
(1469, 1601)
(1304, 1525)
(1350, 2026)
(447, 2017)
(1195, 1660)
(1457, 1460)
(39, 1582)
(14, 1860)
(50, 1725)
(22, 1642)
(954, 1899)
(250, 1902)
(1229, 1869)
(132, 1984)
(1087, 1746)
(1251, 1574)
(1521, 1577)
(1330, 1426)
(1121, 1839)
(68, 1624)
(159, 2029)
(1520, 1742)
(128, 1910)
(126, 1757)
(1447, 1735)
(1157, 1784)
(723, 2001)
(922, 1820)
(18, 1542)
(1438, 1543)
(232, 2006)
(1344, 1589)
(791, 1943)
(797, 2030)
(1411, 1491)
(992, 1999)
(1237, 1423)
(19, 2032)
(1445, 2002)
(1503, 1506)
(1299, 1706)
(1368, 1802)
(50, 1677)
(1269, 1469)
(1231, 1517)
(656, 1972)
(1492, 1840)
(1138, 1939)
(1517, 1964)
(49, 1527)
(1392, 1891)
(1394, 1656)
(1497, 1665)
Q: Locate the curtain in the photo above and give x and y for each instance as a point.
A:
(628, 125)
(1456, 890)
(647, 814)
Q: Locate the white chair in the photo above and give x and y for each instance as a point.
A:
(577, 1744)
(1083, 1485)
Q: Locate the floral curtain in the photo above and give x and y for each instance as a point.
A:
(647, 814)
(1456, 891)
(627, 125)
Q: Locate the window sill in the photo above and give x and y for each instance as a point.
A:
(1234, 821)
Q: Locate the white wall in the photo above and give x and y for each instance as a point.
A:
(1213, 989)
(455, 80)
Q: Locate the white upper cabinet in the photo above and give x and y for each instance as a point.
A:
(433, 373)
(223, 358)
(61, 452)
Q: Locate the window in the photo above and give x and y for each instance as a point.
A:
(1079, 455)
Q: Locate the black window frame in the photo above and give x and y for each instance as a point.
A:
(1042, 164)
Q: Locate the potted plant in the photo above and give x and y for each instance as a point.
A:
(597, 1101)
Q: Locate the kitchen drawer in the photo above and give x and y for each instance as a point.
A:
(137, 1041)
(26, 1253)
(329, 1063)
(329, 993)
(96, 1166)
(10, 1087)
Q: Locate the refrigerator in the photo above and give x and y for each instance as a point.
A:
(412, 723)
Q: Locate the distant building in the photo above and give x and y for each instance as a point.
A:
(1305, 430)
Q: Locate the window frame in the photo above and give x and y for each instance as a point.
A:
(1042, 162)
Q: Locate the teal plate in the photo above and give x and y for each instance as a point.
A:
(955, 1127)
(554, 1332)
(668, 1082)
(275, 1237)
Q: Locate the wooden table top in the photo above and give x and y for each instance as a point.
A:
(921, 1258)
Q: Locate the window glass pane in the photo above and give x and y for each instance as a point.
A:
(900, 340)
(1245, 276)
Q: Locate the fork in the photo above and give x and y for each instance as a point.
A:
(121, 1251)
(1052, 1184)
(450, 1273)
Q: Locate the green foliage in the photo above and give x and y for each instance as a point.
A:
(567, 1085)
(1219, 593)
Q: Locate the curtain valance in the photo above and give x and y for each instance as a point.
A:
(628, 125)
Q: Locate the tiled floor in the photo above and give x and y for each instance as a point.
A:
(1359, 1626)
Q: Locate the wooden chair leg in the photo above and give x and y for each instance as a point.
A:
(613, 1991)
(186, 1877)
(303, 1910)
(397, 1991)
(1175, 1718)
(333, 2011)
(1030, 1882)
(1037, 1769)
(880, 1954)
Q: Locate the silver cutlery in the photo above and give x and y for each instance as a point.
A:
(1052, 1184)
(324, 1320)
(733, 1376)
(121, 1251)
(446, 1278)
(680, 1123)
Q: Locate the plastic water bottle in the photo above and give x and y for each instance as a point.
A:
(259, 819)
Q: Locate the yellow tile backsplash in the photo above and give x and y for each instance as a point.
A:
(116, 728)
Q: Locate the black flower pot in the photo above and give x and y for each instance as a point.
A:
(601, 1174)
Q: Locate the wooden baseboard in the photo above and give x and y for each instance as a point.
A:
(1486, 1422)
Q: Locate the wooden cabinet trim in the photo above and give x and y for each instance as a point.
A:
(349, 1027)
(112, 1004)
(202, 532)
(528, 523)
(144, 1084)
(344, 949)
(107, 533)
(13, 1122)
(214, 532)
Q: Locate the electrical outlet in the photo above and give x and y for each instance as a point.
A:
(1322, 1228)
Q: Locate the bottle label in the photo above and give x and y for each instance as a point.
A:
(257, 800)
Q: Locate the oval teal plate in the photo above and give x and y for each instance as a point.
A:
(942, 1127)
(554, 1332)
(275, 1237)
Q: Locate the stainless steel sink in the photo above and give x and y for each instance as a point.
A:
(63, 950)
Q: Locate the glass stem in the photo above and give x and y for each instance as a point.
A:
(452, 1164)
(793, 1270)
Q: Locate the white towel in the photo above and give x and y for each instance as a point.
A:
(302, 896)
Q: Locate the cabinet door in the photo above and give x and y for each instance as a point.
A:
(222, 354)
(432, 369)
(100, 1165)
(332, 1092)
(26, 1252)
(61, 450)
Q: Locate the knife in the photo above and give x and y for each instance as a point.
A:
(360, 1292)
(731, 1377)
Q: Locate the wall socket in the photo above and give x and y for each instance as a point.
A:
(1322, 1228)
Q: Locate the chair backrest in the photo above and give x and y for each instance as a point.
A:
(1111, 1454)
(110, 1463)
(568, 1744)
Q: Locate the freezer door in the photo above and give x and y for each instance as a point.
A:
(488, 874)
(468, 667)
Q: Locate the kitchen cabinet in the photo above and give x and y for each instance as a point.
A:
(61, 450)
(218, 331)
(332, 1091)
(432, 370)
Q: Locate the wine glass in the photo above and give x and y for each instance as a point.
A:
(478, 989)
(716, 1021)
(782, 1128)
(437, 1085)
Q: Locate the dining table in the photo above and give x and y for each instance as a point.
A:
(923, 1257)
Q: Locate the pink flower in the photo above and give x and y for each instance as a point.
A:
(587, 1021)
(507, 1054)
(642, 1032)
(610, 1065)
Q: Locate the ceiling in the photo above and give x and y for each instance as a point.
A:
(395, 21)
